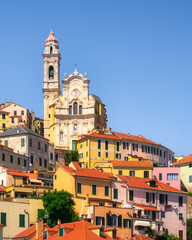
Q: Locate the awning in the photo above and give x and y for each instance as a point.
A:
(150, 208)
(35, 180)
(142, 223)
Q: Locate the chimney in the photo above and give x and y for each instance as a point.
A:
(58, 221)
(39, 228)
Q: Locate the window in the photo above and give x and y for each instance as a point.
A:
(135, 147)
(51, 72)
(190, 178)
(120, 172)
(3, 125)
(99, 144)
(131, 195)
(160, 153)
(12, 120)
(3, 156)
(106, 155)
(51, 50)
(45, 147)
(146, 174)
(86, 143)
(4, 219)
(125, 145)
(78, 187)
(70, 110)
(115, 193)
(180, 234)
(150, 197)
(24, 180)
(80, 109)
(94, 189)
(45, 163)
(99, 154)
(30, 142)
(164, 154)
(114, 220)
(172, 176)
(127, 223)
(180, 201)
(15, 113)
(163, 199)
(55, 177)
(117, 146)
(106, 191)
(100, 221)
(61, 232)
(18, 161)
(11, 159)
(22, 142)
(125, 158)
(180, 216)
(163, 214)
(32, 160)
(25, 163)
(39, 145)
(81, 155)
(40, 162)
(6, 143)
(160, 176)
(51, 156)
(106, 144)
(118, 155)
(86, 154)
(56, 157)
(75, 108)
(3, 116)
(74, 145)
(22, 112)
(132, 173)
(149, 150)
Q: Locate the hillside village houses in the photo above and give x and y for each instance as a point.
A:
(118, 192)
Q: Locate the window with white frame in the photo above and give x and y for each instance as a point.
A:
(190, 178)
(172, 176)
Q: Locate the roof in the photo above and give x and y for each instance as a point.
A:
(20, 130)
(56, 151)
(140, 237)
(51, 37)
(132, 164)
(4, 112)
(137, 182)
(26, 232)
(95, 134)
(139, 138)
(21, 173)
(76, 165)
(2, 188)
(183, 161)
(84, 172)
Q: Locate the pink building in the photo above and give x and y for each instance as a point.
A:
(154, 205)
(168, 175)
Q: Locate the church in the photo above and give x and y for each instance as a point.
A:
(69, 110)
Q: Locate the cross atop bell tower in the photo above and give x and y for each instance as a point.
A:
(51, 83)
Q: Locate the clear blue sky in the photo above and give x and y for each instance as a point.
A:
(137, 54)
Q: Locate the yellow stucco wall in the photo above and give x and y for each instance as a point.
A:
(52, 125)
(5, 121)
(186, 171)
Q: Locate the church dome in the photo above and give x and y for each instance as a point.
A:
(51, 37)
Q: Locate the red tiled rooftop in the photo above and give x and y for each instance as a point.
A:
(4, 112)
(22, 174)
(95, 134)
(26, 232)
(132, 164)
(56, 151)
(140, 237)
(51, 37)
(2, 188)
(184, 161)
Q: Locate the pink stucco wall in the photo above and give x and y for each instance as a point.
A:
(166, 170)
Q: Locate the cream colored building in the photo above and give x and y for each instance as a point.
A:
(72, 111)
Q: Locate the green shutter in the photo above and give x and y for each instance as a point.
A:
(106, 191)
(94, 189)
(115, 191)
(60, 232)
(109, 222)
(99, 144)
(3, 219)
(129, 223)
(55, 176)
(180, 201)
(21, 220)
(131, 195)
(103, 221)
(163, 214)
(119, 221)
(117, 147)
(160, 176)
(74, 145)
(78, 187)
(180, 215)
(22, 142)
(97, 220)
(120, 172)
(106, 145)
(6, 143)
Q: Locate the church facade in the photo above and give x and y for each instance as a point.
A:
(71, 111)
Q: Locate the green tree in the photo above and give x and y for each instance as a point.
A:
(189, 229)
(71, 156)
(58, 205)
(152, 234)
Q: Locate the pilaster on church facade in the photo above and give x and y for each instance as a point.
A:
(75, 111)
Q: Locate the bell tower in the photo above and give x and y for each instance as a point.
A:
(51, 84)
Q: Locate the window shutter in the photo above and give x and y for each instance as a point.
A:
(21, 220)
(131, 195)
(119, 221)
(103, 221)
(129, 223)
(109, 222)
(106, 191)
(116, 193)
(160, 176)
(166, 199)
(97, 220)
(3, 219)
(147, 197)
(124, 223)
(153, 197)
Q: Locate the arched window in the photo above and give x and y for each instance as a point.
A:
(114, 220)
(51, 50)
(75, 127)
(75, 108)
(51, 72)
(61, 136)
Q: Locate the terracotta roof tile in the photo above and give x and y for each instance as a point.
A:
(184, 161)
(95, 134)
(132, 164)
(26, 232)
(2, 188)
(140, 237)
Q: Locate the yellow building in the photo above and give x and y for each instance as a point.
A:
(4, 121)
(97, 148)
(128, 168)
